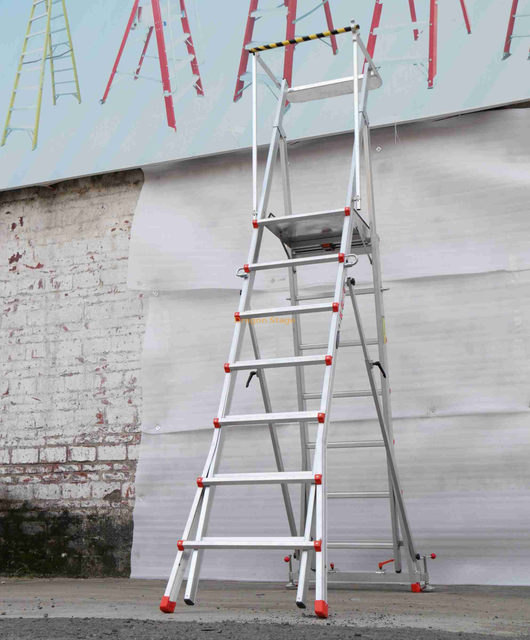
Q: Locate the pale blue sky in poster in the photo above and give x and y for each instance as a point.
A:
(130, 129)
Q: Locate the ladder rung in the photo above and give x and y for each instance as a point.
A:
(58, 30)
(22, 108)
(60, 44)
(343, 343)
(66, 82)
(30, 88)
(299, 216)
(248, 543)
(285, 311)
(37, 33)
(28, 53)
(329, 294)
(361, 444)
(358, 494)
(297, 262)
(59, 15)
(30, 69)
(522, 15)
(20, 128)
(362, 545)
(259, 13)
(260, 478)
(42, 15)
(276, 362)
(342, 394)
(266, 418)
(397, 27)
(61, 70)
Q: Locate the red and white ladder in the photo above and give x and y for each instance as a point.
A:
(333, 236)
(153, 18)
(511, 25)
(289, 7)
(432, 59)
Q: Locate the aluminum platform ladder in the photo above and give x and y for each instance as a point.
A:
(511, 25)
(326, 237)
(47, 38)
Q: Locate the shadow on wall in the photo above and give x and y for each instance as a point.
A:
(41, 542)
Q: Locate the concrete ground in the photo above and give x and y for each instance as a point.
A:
(44, 608)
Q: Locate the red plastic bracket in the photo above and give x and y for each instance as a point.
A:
(216, 423)
(246, 268)
(318, 478)
(329, 360)
(335, 307)
(382, 564)
(347, 211)
(286, 559)
(321, 609)
(237, 316)
(433, 556)
(166, 606)
(322, 418)
(199, 483)
(341, 257)
(227, 367)
(415, 587)
(318, 545)
(255, 223)
(180, 545)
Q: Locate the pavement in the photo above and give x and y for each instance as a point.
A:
(489, 610)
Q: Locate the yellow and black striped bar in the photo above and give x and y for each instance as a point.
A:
(315, 36)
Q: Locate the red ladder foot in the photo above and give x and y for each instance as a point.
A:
(321, 608)
(166, 606)
(416, 587)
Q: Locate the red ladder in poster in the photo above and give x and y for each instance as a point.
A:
(150, 15)
(511, 24)
(255, 14)
(433, 31)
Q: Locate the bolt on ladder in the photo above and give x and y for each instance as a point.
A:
(41, 43)
(289, 8)
(511, 25)
(322, 237)
(432, 60)
(152, 17)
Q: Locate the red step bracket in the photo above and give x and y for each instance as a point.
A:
(318, 478)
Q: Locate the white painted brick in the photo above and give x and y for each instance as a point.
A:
(77, 491)
(20, 491)
(80, 454)
(102, 489)
(4, 456)
(47, 492)
(53, 454)
(24, 456)
(133, 452)
(117, 452)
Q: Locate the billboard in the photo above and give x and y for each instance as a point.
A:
(111, 84)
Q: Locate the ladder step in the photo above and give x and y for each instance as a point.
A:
(342, 394)
(398, 27)
(37, 33)
(248, 543)
(276, 477)
(275, 363)
(61, 70)
(330, 294)
(330, 89)
(361, 444)
(285, 311)
(274, 418)
(42, 15)
(28, 53)
(343, 343)
(58, 30)
(362, 545)
(299, 217)
(358, 494)
(59, 15)
(30, 69)
(260, 13)
(22, 108)
(298, 262)
(20, 128)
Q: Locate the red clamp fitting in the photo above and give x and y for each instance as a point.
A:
(216, 423)
(227, 367)
(318, 478)
(335, 307)
(341, 257)
(246, 268)
(180, 545)
(329, 360)
(382, 564)
(255, 223)
(332, 565)
(347, 211)
(287, 559)
(433, 556)
(237, 316)
(199, 483)
(318, 545)
(322, 418)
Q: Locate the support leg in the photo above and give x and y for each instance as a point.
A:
(164, 67)
(466, 15)
(433, 42)
(509, 33)
(289, 35)
(413, 17)
(243, 62)
(329, 22)
(144, 51)
(191, 49)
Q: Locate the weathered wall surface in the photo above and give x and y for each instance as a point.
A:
(70, 344)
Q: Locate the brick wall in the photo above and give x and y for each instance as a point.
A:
(70, 345)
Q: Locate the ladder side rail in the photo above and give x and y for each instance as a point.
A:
(72, 55)
(381, 332)
(466, 15)
(274, 436)
(49, 54)
(144, 51)
(329, 22)
(254, 135)
(413, 17)
(376, 21)
(48, 5)
(237, 342)
(120, 51)
(303, 571)
(164, 65)
(191, 49)
(243, 62)
(407, 534)
(17, 76)
(289, 35)
(509, 32)
(433, 42)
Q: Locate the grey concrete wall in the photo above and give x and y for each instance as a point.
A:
(70, 342)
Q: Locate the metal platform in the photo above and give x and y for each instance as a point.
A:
(315, 233)
(330, 89)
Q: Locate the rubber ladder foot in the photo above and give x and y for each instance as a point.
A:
(415, 587)
(166, 606)
(189, 602)
(301, 605)
(321, 608)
